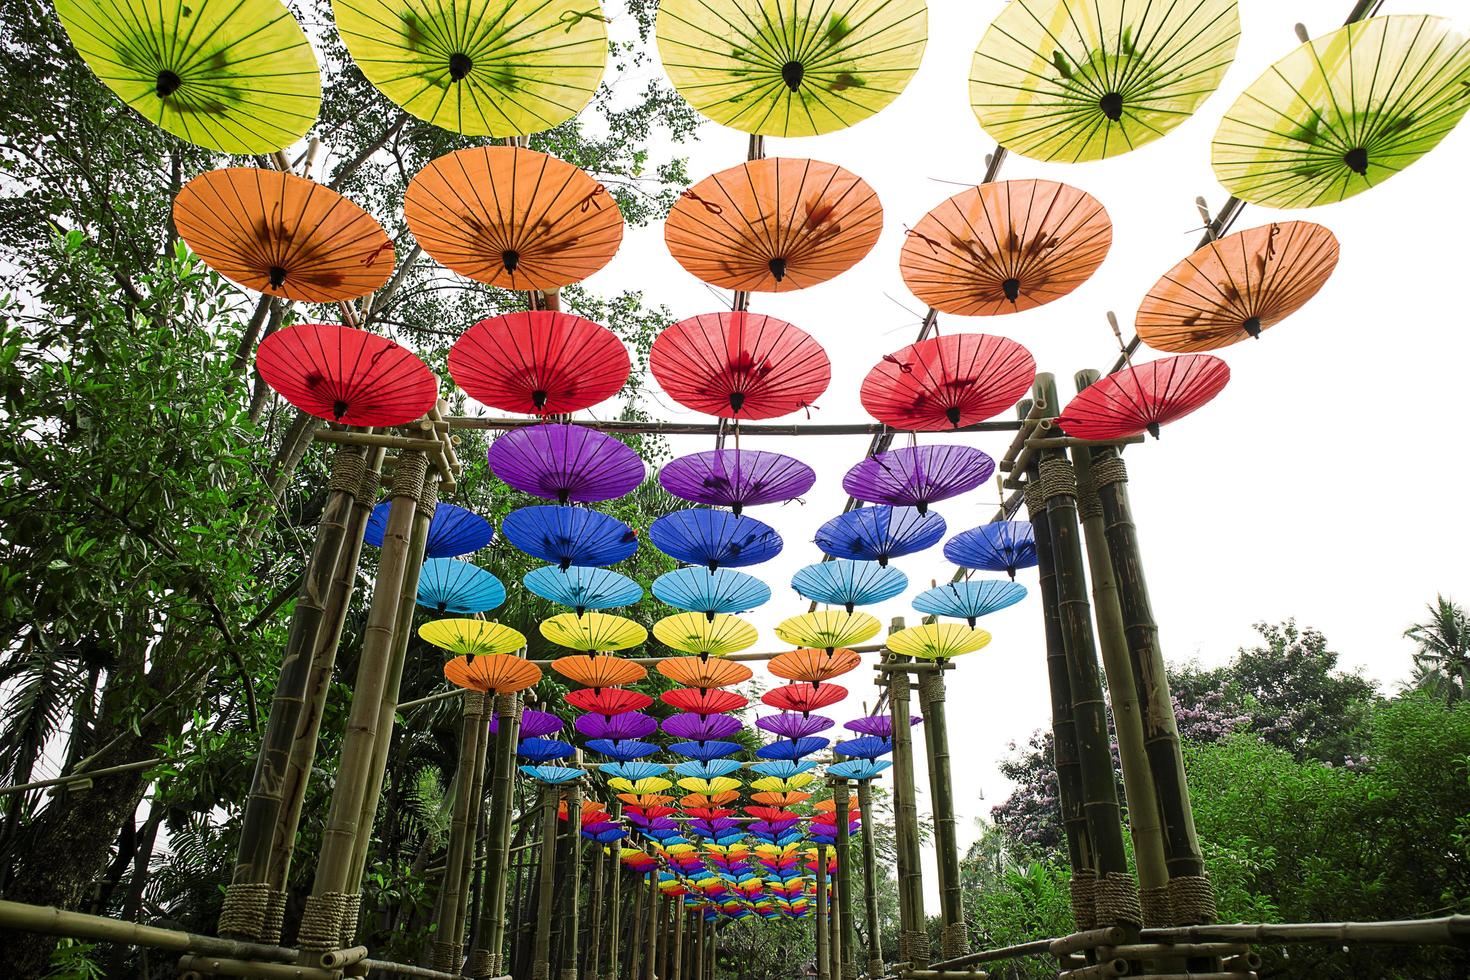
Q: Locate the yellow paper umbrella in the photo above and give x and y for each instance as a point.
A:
(1345, 112)
(829, 629)
(479, 67)
(697, 633)
(593, 631)
(937, 641)
(472, 637)
(1075, 80)
(709, 787)
(648, 784)
(782, 784)
(790, 67)
(236, 76)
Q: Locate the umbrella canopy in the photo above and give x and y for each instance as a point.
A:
(537, 362)
(453, 531)
(937, 641)
(1345, 112)
(598, 671)
(346, 375)
(607, 700)
(566, 463)
(706, 750)
(695, 633)
(858, 768)
(736, 478)
(568, 536)
(534, 724)
(702, 591)
(703, 701)
(1006, 246)
(880, 533)
(847, 583)
(544, 749)
(471, 637)
(582, 587)
(593, 631)
(867, 747)
(704, 672)
(1000, 546)
(630, 724)
(283, 235)
(513, 217)
(447, 585)
(701, 728)
(552, 775)
(969, 600)
(624, 750)
(813, 666)
(479, 67)
(880, 725)
(740, 365)
(633, 770)
(774, 225)
(498, 673)
(796, 748)
(1144, 397)
(237, 77)
(946, 382)
(828, 629)
(1237, 286)
(803, 697)
(790, 67)
(1074, 80)
(712, 538)
(791, 724)
(916, 476)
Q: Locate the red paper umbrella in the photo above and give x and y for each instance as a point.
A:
(740, 365)
(346, 375)
(804, 697)
(1142, 398)
(947, 382)
(608, 700)
(703, 700)
(539, 363)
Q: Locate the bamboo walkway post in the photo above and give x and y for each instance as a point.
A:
(666, 934)
(697, 960)
(954, 937)
(834, 941)
(824, 970)
(444, 950)
(847, 960)
(333, 900)
(473, 900)
(913, 939)
(712, 952)
(573, 796)
(487, 958)
(870, 878)
(636, 937)
(615, 908)
(676, 959)
(650, 957)
(546, 889)
(592, 970)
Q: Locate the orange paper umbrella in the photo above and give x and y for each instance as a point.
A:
(283, 235)
(774, 225)
(947, 382)
(813, 665)
(496, 673)
(645, 799)
(603, 671)
(1005, 247)
(695, 800)
(1236, 287)
(699, 672)
(789, 797)
(513, 218)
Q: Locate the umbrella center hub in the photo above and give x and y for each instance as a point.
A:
(792, 73)
(1252, 326)
(459, 65)
(1012, 288)
(339, 409)
(953, 414)
(511, 259)
(277, 276)
(1111, 105)
(737, 400)
(1357, 160)
(167, 84)
(538, 398)
(778, 267)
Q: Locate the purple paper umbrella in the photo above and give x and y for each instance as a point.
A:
(916, 476)
(534, 724)
(791, 724)
(737, 478)
(630, 724)
(769, 826)
(661, 823)
(701, 728)
(880, 725)
(714, 826)
(598, 826)
(566, 463)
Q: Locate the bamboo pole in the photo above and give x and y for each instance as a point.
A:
(574, 893)
(445, 947)
(546, 889)
(58, 922)
(823, 930)
(593, 967)
(954, 939)
(913, 939)
(487, 959)
(615, 909)
(712, 952)
(713, 429)
(842, 796)
(666, 934)
(834, 941)
(635, 927)
(650, 959)
(475, 856)
(681, 922)
(870, 878)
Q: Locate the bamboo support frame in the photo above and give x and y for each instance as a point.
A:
(615, 908)
(914, 939)
(650, 952)
(954, 938)
(819, 919)
(847, 961)
(870, 878)
(546, 888)
(592, 967)
(569, 950)
(711, 429)
(449, 930)
(635, 925)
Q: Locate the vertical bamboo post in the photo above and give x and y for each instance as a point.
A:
(666, 933)
(615, 909)
(573, 796)
(954, 938)
(332, 901)
(546, 889)
(913, 939)
(472, 902)
(676, 959)
(650, 959)
(487, 958)
(834, 917)
(870, 878)
(593, 968)
(444, 950)
(635, 928)
(697, 960)
(712, 952)
(842, 796)
(824, 969)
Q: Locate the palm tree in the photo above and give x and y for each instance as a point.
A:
(1442, 654)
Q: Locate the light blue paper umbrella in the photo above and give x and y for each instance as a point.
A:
(458, 588)
(583, 587)
(847, 583)
(859, 769)
(700, 590)
(969, 600)
(552, 775)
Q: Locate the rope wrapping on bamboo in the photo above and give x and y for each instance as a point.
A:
(321, 923)
(244, 910)
(429, 495)
(408, 474)
(275, 918)
(1192, 900)
(473, 703)
(1084, 898)
(348, 468)
(955, 940)
(1087, 503)
(913, 947)
(1157, 912)
(1035, 502)
(542, 971)
(1058, 478)
(1108, 469)
(479, 965)
(505, 705)
(569, 974)
(441, 956)
(367, 489)
(1117, 900)
(351, 909)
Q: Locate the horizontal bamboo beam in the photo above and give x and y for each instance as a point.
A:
(80, 777)
(1091, 939)
(1070, 442)
(1452, 930)
(78, 925)
(1037, 947)
(405, 970)
(196, 965)
(1150, 951)
(943, 975)
(713, 429)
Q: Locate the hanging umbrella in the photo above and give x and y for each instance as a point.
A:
(1075, 80)
(513, 217)
(774, 225)
(702, 591)
(630, 749)
(846, 583)
(859, 769)
(880, 533)
(1345, 112)
(880, 725)
(790, 67)
(740, 365)
(916, 476)
(479, 67)
(568, 536)
(566, 463)
(583, 588)
(539, 363)
(937, 641)
(947, 382)
(453, 530)
(640, 787)
(1236, 287)
(471, 637)
(969, 600)
(694, 633)
(1000, 546)
(1144, 397)
(633, 770)
(544, 749)
(867, 747)
(784, 769)
(498, 673)
(1005, 247)
(709, 787)
(598, 671)
(553, 775)
(828, 629)
(713, 538)
(706, 750)
(796, 748)
(704, 673)
(237, 77)
(283, 235)
(703, 700)
(617, 727)
(813, 666)
(701, 728)
(736, 478)
(448, 585)
(803, 697)
(346, 375)
(593, 631)
(607, 700)
(791, 724)
(534, 724)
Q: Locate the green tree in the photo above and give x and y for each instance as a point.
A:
(1442, 651)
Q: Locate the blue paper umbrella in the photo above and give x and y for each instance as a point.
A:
(567, 536)
(705, 751)
(783, 768)
(847, 583)
(552, 775)
(707, 769)
(633, 771)
(622, 750)
(544, 749)
(713, 538)
(458, 588)
(606, 836)
(583, 587)
(453, 531)
(858, 768)
(867, 747)
(969, 600)
(700, 590)
(793, 748)
(879, 533)
(1000, 546)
